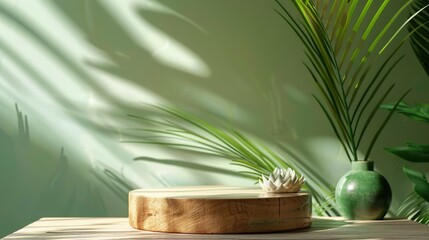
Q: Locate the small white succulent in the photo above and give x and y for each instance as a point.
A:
(282, 180)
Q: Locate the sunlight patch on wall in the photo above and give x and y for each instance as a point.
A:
(99, 151)
(295, 94)
(123, 91)
(217, 105)
(20, 83)
(163, 48)
(326, 148)
(32, 55)
(58, 30)
(330, 151)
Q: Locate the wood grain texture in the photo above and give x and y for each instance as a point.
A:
(218, 209)
(119, 228)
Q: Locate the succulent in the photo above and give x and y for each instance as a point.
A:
(282, 180)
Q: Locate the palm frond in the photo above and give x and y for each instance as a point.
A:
(418, 112)
(178, 129)
(326, 205)
(411, 152)
(416, 205)
(194, 134)
(420, 39)
(415, 208)
(344, 62)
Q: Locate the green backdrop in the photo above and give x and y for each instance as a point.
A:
(70, 71)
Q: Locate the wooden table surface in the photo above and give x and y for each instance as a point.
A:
(118, 228)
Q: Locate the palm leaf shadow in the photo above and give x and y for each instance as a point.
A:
(129, 59)
(114, 181)
(65, 196)
(60, 57)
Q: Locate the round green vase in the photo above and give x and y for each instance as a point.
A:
(362, 193)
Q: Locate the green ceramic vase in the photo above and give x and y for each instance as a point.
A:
(362, 193)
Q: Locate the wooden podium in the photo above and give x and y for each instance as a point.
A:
(218, 209)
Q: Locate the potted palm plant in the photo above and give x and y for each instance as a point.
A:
(350, 63)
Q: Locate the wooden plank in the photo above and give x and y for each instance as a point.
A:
(118, 228)
(218, 209)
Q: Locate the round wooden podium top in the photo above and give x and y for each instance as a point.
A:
(211, 192)
(218, 209)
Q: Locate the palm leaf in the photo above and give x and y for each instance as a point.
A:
(204, 137)
(411, 152)
(420, 39)
(180, 130)
(344, 61)
(419, 112)
(421, 185)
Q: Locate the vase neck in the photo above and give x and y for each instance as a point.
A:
(362, 166)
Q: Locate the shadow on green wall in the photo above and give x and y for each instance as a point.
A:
(33, 187)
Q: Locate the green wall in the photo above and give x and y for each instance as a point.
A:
(70, 71)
